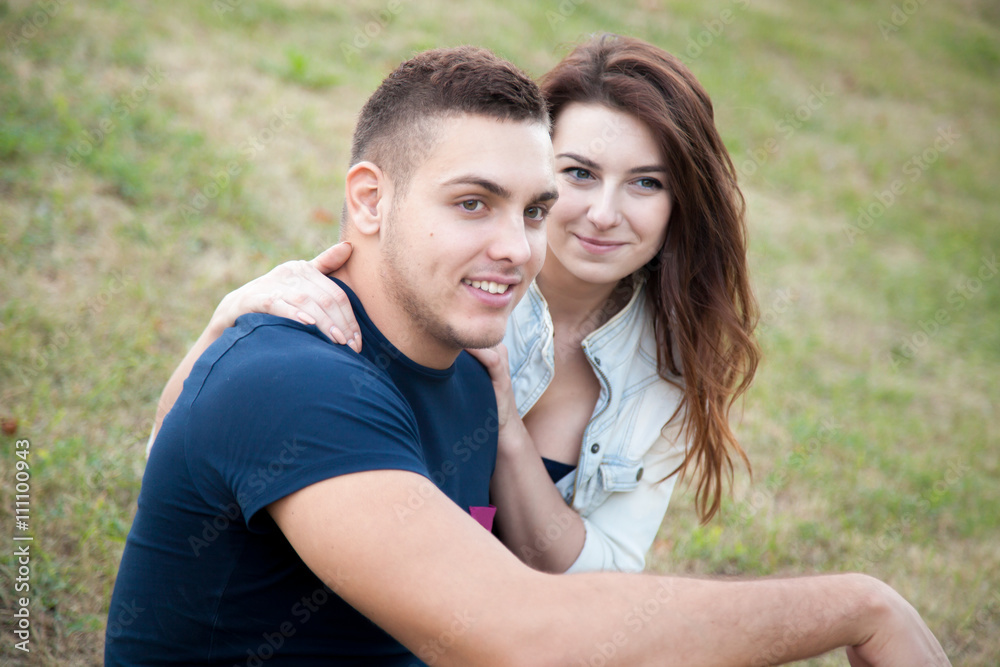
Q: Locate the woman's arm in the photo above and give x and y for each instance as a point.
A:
(298, 290)
(535, 522)
(532, 518)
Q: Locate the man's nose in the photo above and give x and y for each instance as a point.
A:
(510, 242)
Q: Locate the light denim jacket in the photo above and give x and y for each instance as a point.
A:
(626, 452)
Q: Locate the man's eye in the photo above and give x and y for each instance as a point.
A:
(471, 205)
(536, 212)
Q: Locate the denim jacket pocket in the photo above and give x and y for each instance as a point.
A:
(619, 475)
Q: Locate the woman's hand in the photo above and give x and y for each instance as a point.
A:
(298, 290)
(495, 360)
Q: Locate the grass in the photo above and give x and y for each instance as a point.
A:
(154, 157)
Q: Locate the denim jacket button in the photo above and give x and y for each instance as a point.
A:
(594, 448)
(638, 475)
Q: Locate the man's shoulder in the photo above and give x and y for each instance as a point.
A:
(265, 354)
(261, 338)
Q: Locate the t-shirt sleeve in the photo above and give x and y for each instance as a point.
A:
(282, 410)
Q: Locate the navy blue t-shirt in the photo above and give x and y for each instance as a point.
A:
(207, 578)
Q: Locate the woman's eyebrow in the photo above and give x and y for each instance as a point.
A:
(590, 164)
(647, 169)
(586, 162)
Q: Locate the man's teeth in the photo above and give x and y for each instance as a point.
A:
(488, 286)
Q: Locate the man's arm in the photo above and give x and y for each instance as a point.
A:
(391, 544)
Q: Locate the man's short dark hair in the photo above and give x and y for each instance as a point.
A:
(398, 125)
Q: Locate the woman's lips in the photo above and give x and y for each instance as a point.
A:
(597, 246)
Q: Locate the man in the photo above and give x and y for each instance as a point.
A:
(306, 504)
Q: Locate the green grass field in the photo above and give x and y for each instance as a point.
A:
(154, 156)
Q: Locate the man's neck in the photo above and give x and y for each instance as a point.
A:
(389, 318)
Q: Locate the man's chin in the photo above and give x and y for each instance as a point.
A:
(482, 339)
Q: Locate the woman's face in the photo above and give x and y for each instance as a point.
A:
(613, 207)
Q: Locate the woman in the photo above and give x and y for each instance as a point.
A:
(636, 337)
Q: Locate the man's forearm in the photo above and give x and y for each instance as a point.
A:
(636, 620)
(513, 615)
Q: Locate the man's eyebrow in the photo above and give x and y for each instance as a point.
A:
(547, 196)
(500, 191)
(484, 183)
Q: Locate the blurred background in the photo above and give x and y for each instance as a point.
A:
(154, 156)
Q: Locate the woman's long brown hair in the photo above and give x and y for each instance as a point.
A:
(698, 286)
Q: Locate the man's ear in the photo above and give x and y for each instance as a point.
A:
(368, 197)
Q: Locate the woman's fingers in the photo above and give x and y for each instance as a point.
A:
(298, 290)
(491, 359)
(328, 305)
(495, 361)
(332, 258)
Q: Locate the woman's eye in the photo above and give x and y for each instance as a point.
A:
(578, 173)
(471, 205)
(649, 184)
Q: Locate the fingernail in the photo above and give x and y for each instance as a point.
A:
(305, 317)
(338, 335)
(357, 339)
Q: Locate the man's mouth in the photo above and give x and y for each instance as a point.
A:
(487, 285)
